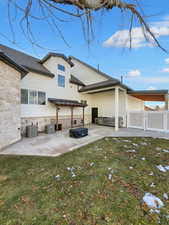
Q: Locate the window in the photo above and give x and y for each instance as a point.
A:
(41, 98)
(61, 81)
(61, 67)
(32, 97)
(24, 96)
(75, 122)
(84, 102)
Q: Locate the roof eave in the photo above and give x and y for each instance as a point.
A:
(11, 63)
(51, 75)
(164, 91)
(74, 82)
(50, 54)
(97, 88)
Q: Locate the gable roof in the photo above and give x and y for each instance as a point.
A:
(74, 80)
(6, 59)
(94, 69)
(103, 84)
(26, 61)
(96, 86)
(56, 55)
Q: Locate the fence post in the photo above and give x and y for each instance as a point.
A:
(127, 118)
(165, 120)
(145, 120)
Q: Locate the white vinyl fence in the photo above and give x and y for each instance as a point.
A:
(148, 120)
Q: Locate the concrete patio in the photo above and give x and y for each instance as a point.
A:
(60, 142)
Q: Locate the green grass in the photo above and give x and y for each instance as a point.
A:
(30, 194)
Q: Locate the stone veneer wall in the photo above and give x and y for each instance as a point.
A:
(9, 105)
(42, 121)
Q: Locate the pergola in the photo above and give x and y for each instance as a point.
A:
(151, 95)
(66, 103)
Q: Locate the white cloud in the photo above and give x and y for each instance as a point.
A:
(167, 61)
(151, 88)
(134, 73)
(151, 80)
(121, 38)
(165, 70)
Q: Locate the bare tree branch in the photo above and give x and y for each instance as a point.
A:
(81, 9)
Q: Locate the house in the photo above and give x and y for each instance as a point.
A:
(61, 90)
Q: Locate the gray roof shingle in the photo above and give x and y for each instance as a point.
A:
(11, 63)
(28, 62)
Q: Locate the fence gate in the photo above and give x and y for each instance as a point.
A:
(157, 121)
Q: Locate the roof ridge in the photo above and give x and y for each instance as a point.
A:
(14, 49)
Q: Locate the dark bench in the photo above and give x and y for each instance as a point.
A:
(78, 132)
(108, 121)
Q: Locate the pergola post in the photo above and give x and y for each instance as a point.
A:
(57, 117)
(166, 102)
(71, 117)
(83, 115)
(116, 102)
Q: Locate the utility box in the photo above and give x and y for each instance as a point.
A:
(31, 131)
(50, 129)
(78, 132)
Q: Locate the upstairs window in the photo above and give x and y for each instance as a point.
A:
(32, 97)
(41, 98)
(61, 67)
(24, 96)
(61, 81)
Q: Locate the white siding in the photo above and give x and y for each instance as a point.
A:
(34, 81)
(85, 74)
(135, 103)
(104, 100)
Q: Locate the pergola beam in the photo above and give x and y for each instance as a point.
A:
(166, 102)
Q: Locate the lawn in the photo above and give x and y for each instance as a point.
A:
(101, 183)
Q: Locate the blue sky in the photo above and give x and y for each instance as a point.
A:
(143, 67)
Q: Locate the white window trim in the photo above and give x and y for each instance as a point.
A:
(63, 71)
(58, 80)
(36, 97)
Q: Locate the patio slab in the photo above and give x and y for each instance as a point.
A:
(60, 142)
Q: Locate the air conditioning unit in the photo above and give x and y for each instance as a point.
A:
(50, 129)
(31, 131)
